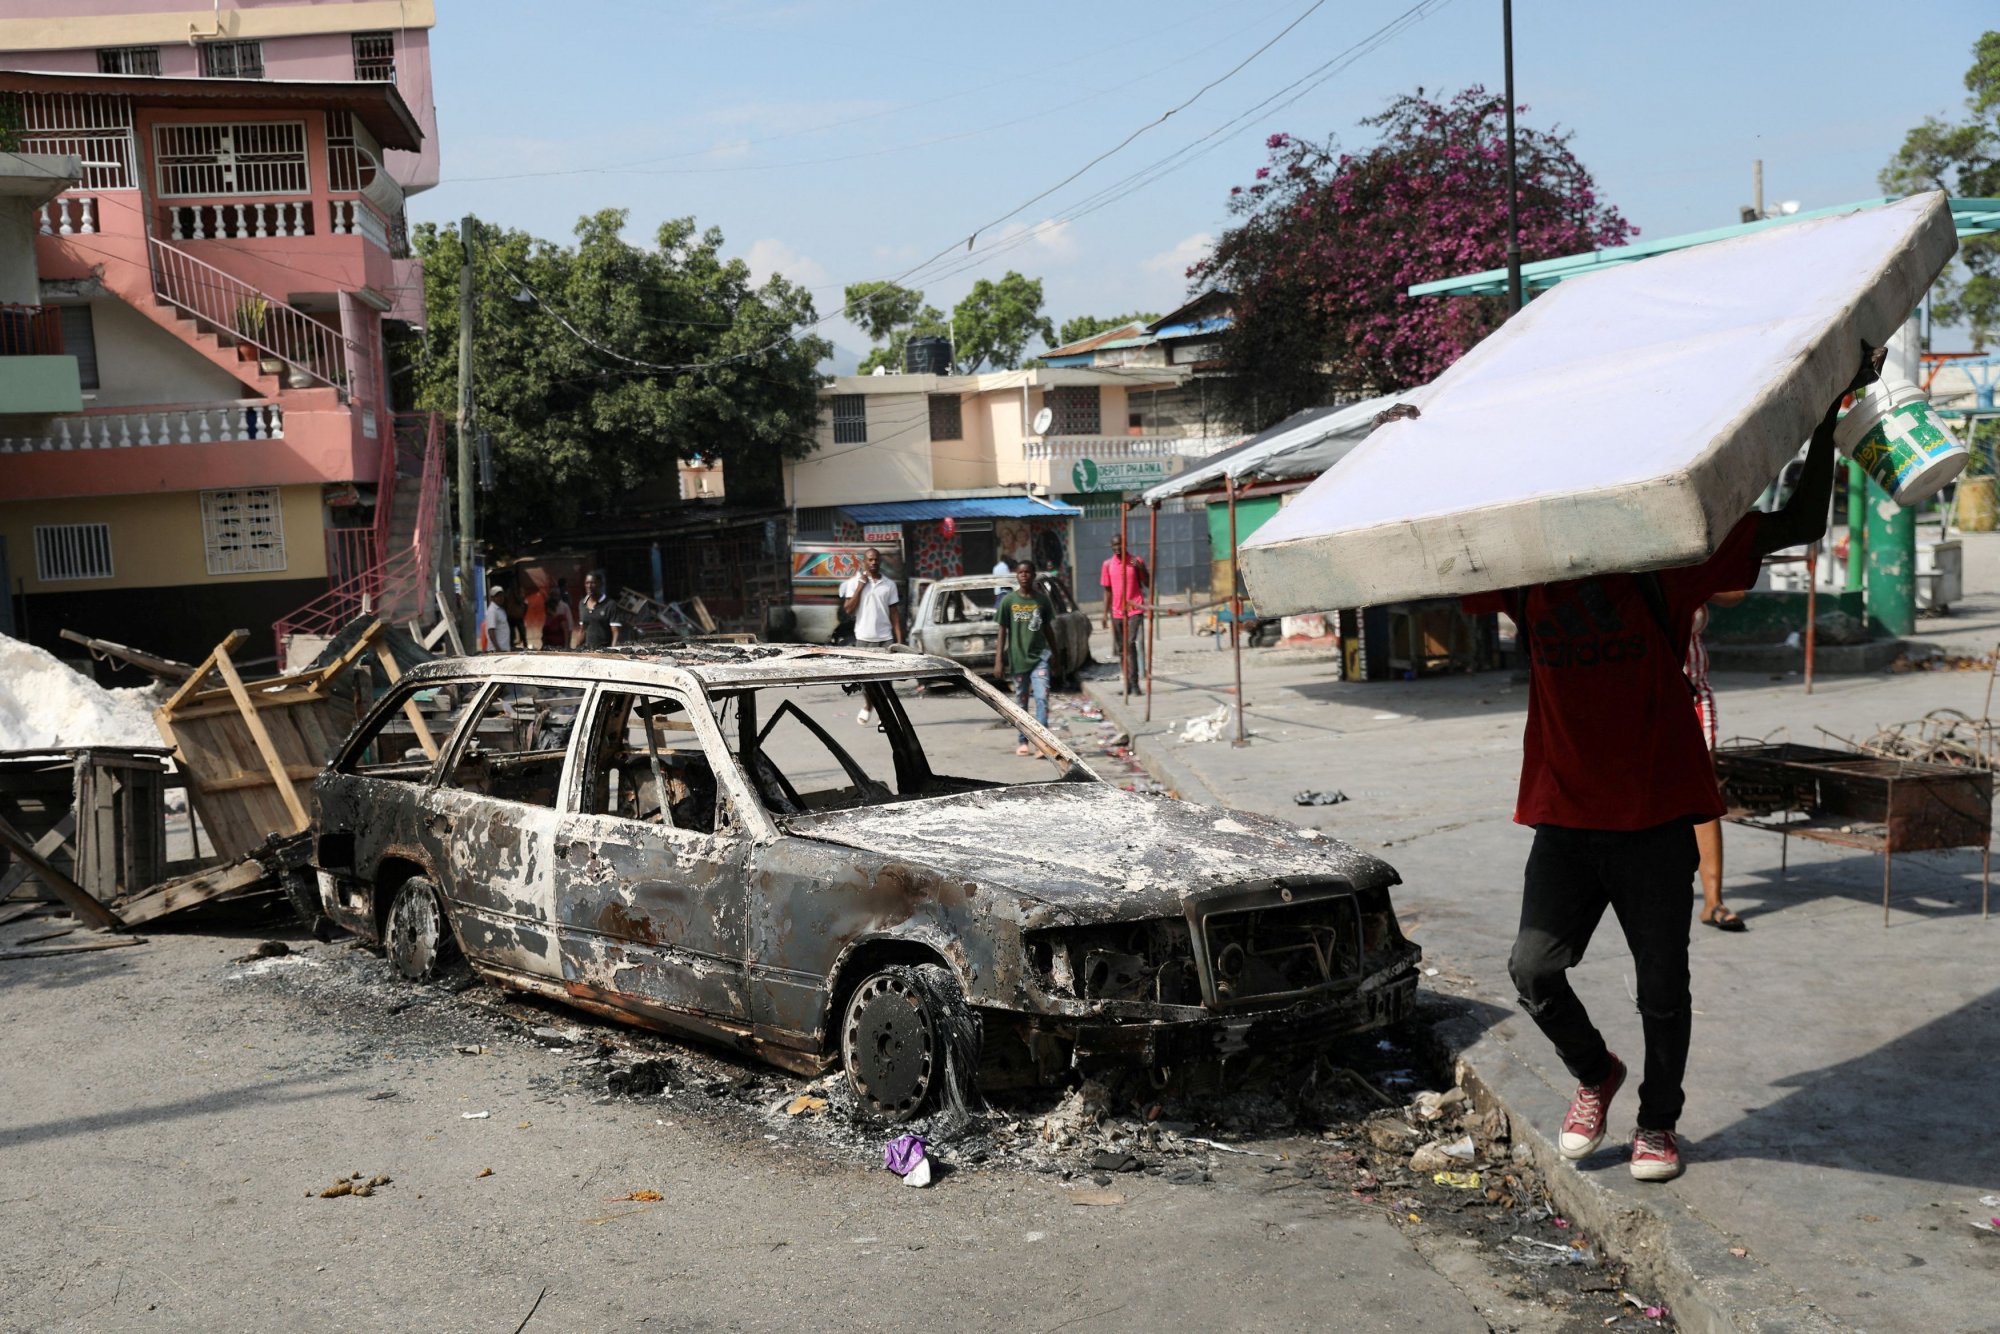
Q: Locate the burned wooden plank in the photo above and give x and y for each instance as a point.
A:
(80, 947)
(164, 668)
(187, 891)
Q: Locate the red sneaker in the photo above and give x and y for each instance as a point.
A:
(1656, 1155)
(1583, 1128)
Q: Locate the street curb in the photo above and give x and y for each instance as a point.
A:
(1158, 762)
(1670, 1252)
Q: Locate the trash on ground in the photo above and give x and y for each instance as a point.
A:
(473, 1116)
(1329, 797)
(804, 1103)
(645, 1196)
(903, 1154)
(483, 1172)
(1110, 1160)
(1208, 727)
(1458, 1180)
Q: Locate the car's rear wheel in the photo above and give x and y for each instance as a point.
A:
(418, 935)
(909, 1040)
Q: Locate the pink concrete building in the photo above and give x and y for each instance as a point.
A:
(222, 271)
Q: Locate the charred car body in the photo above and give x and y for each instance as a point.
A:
(680, 838)
(954, 619)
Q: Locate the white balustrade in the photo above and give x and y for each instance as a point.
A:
(1122, 446)
(215, 222)
(69, 215)
(351, 217)
(251, 419)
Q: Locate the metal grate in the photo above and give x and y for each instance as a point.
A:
(850, 419)
(243, 531)
(232, 60)
(94, 127)
(72, 551)
(947, 417)
(1075, 409)
(236, 158)
(128, 60)
(375, 56)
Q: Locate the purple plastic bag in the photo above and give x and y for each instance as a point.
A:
(901, 1154)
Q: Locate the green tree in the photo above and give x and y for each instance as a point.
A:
(568, 349)
(1079, 327)
(991, 328)
(996, 322)
(1962, 159)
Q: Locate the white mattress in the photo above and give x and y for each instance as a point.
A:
(1623, 421)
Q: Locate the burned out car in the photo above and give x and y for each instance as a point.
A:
(954, 619)
(703, 840)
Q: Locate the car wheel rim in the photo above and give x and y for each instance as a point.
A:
(414, 932)
(890, 1047)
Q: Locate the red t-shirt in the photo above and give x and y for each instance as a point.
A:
(1611, 741)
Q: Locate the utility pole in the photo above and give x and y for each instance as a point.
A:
(1757, 188)
(1513, 188)
(468, 585)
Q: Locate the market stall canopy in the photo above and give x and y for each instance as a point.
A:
(1624, 421)
(1304, 444)
(964, 507)
(1969, 217)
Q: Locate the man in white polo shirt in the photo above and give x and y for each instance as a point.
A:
(870, 598)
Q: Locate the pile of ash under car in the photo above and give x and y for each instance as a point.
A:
(699, 840)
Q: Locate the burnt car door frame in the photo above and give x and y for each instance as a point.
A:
(474, 838)
(623, 886)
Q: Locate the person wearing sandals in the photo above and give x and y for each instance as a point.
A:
(1708, 834)
(1614, 778)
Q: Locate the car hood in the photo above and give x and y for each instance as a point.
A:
(1090, 852)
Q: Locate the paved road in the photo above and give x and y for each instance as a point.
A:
(1840, 1119)
(170, 1115)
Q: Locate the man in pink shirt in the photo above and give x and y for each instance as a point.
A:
(1125, 580)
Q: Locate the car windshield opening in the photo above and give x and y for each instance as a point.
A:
(831, 746)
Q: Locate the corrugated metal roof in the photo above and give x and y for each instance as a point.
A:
(1304, 444)
(973, 507)
(1125, 330)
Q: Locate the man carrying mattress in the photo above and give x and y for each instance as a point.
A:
(1614, 777)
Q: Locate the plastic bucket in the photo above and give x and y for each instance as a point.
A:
(1892, 432)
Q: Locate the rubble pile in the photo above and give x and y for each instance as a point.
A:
(45, 704)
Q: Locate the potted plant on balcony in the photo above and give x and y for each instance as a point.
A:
(252, 313)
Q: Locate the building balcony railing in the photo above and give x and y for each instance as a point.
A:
(1055, 447)
(237, 220)
(70, 215)
(30, 331)
(139, 428)
(353, 217)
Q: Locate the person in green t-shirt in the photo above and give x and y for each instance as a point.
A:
(1023, 649)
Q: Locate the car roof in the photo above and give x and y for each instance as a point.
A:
(987, 580)
(709, 664)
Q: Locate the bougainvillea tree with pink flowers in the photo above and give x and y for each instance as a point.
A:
(1327, 244)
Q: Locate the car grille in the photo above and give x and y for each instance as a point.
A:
(1283, 949)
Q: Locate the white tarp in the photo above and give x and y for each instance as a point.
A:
(1303, 445)
(1624, 421)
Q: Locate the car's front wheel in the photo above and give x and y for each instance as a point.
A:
(909, 1040)
(418, 935)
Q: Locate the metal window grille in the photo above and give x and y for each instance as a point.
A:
(947, 418)
(375, 56)
(128, 60)
(351, 153)
(72, 551)
(95, 127)
(243, 531)
(1074, 408)
(232, 60)
(850, 419)
(818, 521)
(80, 341)
(236, 158)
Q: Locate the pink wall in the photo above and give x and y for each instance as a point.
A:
(319, 446)
(318, 56)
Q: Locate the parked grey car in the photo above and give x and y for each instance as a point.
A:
(701, 840)
(954, 619)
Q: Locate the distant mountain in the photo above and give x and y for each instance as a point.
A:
(842, 362)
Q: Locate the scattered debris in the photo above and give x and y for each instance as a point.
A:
(1458, 1180)
(805, 1103)
(1109, 1160)
(473, 1116)
(483, 1173)
(1208, 727)
(270, 949)
(648, 1196)
(908, 1157)
(1328, 797)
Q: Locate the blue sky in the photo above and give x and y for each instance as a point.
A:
(841, 140)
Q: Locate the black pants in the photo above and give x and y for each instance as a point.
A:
(1645, 877)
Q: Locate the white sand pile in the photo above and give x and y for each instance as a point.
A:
(44, 704)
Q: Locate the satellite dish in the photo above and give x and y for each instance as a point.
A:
(1789, 207)
(1043, 420)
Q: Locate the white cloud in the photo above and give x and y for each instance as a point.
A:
(771, 255)
(1051, 236)
(1174, 262)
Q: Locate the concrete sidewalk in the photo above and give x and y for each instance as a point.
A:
(1842, 1093)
